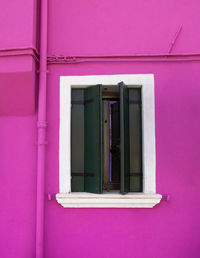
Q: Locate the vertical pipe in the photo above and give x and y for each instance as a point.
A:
(41, 132)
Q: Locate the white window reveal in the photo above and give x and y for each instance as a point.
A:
(107, 142)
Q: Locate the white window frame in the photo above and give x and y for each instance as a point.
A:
(148, 198)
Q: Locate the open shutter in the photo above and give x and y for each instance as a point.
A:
(135, 125)
(77, 140)
(124, 139)
(93, 139)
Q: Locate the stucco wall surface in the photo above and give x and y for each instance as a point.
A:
(18, 20)
(170, 229)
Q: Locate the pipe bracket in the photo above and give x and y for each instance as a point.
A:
(166, 197)
(51, 197)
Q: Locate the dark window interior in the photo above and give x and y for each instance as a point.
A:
(111, 148)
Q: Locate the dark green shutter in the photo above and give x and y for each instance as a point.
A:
(124, 139)
(77, 140)
(135, 126)
(93, 139)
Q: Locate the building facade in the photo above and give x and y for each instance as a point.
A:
(99, 38)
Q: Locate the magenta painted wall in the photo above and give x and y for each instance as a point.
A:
(18, 20)
(124, 27)
(18, 29)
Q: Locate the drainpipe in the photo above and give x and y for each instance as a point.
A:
(42, 124)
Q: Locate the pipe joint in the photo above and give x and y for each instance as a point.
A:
(42, 71)
(42, 143)
(42, 124)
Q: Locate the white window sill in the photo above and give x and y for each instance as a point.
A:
(108, 200)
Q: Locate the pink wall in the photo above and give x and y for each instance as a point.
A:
(18, 19)
(126, 27)
(18, 28)
(18, 88)
(171, 229)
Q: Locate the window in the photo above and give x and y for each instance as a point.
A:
(98, 103)
(101, 158)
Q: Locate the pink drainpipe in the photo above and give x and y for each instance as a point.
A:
(42, 124)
